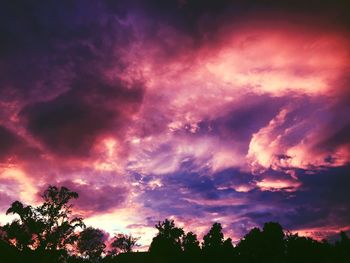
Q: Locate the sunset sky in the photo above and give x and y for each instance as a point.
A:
(199, 111)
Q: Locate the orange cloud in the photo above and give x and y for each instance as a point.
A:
(278, 185)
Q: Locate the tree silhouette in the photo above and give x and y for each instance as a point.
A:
(250, 249)
(227, 248)
(55, 213)
(306, 249)
(273, 242)
(91, 243)
(49, 233)
(22, 231)
(343, 247)
(214, 245)
(168, 240)
(47, 227)
(213, 240)
(190, 244)
(263, 246)
(123, 243)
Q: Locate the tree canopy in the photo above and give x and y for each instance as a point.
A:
(168, 239)
(91, 243)
(123, 243)
(49, 226)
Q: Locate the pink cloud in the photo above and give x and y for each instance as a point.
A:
(267, 184)
(137, 110)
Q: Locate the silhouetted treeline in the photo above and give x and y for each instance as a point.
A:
(49, 233)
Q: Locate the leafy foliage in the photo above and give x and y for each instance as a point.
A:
(214, 239)
(168, 239)
(91, 243)
(46, 227)
(190, 244)
(123, 243)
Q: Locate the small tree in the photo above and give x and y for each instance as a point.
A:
(23, 231)
(213, 241)
(91, 243)
(227, 245)
(123, 243)
(190, 244)
(342, 247)
(228, 251)
(168, 240)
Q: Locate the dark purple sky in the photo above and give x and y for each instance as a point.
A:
(198, 111)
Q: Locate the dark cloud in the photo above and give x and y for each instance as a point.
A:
(43, 38)
(327, 187)
(41, 25)
(173, 196)
(63, 66)
(203, 20)
(196, 194)
(97, 199)
(45, 44)
(70, 123)
(320, 201)
(54, 58)
(246, 118)
(336, 132)
(14, 147)
(258, 218)
(307, 216)
(8, 141)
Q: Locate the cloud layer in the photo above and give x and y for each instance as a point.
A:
(230, 111)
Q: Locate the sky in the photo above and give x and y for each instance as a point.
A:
(199, 111)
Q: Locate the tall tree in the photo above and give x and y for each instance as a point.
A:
(227, 247)
(55, 213)
(46, 227)
(213, 240)
(273, 242)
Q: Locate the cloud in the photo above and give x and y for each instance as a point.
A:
(70, 123)
(201, 111)
(277, 185)
(94, 200)
(61, 64)
(232, 89)
(275, 197)
(9, 142)
(7, 192)
(17, 184)
(301, 136)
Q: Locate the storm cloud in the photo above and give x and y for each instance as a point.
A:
(199, 111)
